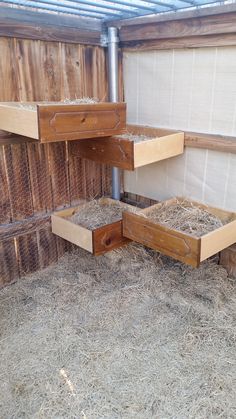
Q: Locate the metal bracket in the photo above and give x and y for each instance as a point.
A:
(104, 40)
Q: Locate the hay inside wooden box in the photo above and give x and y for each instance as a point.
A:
(185, 230)
(95, 226)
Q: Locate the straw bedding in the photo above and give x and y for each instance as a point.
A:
(97, 213)
(135, 138)
(80, 101)
(128, 335)
(186, 217)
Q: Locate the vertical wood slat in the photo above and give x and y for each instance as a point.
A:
(9, 271)
(38, 178)
(18, 177)
(5, 206)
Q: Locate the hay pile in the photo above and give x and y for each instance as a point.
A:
(81, 101)
(186, 217)
(128, 335)
(98, 213)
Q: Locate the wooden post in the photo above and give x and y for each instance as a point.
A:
(228, 260)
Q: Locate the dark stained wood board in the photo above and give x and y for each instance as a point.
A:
(171, 243)
(115, 151)
(48, 26)
(108, 238)
(73, 122)
(180, 245)
(125, 153)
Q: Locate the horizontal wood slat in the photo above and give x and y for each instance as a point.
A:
(197, 26)
(182, 42)
(48, 27)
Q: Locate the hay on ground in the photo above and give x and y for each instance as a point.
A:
(127, 335)
(184, 216)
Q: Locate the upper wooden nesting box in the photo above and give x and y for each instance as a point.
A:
(60, 121)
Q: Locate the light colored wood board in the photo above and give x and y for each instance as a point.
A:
(75, 234)
(224, 143)
(151, 151)
(19, 121)
(170, 242)
(218, 240)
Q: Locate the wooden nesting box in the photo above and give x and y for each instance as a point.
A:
(59, 121)
(127, 154)
(96, 241)
(179, 245)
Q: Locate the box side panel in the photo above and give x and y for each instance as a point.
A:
(72, 232)
(218, 240)
(108, 238)
(19, 121)
(167, 241)
(147, 152)
(74, 122)
(114, 151)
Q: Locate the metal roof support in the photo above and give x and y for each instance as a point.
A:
(113, 79)
(60, 9)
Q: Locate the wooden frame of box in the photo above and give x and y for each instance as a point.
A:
(96, 241)
(179, 245)
(128, 155)
(59, 121)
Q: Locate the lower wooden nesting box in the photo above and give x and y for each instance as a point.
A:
(180, 245)
(96, 240)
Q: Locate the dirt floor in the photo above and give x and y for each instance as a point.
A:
(126, 335)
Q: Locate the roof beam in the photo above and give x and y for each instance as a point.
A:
(21, 23)
(176, 15)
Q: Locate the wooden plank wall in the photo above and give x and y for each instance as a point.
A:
(36, 179)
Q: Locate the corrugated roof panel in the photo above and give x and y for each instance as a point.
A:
(109, 10)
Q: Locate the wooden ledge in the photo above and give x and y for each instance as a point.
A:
(224, 143)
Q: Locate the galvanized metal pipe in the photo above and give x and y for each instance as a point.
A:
(113, 78)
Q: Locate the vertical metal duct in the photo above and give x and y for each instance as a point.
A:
(113, 76)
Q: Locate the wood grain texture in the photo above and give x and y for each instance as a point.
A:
(171, 243)
(48, 26)
(115, 151)
(205, 25)
(9, 271)
(73, 122)
(223, 143)
(97, 240)
(33, 70)
(125, 153)
(179, 245)
(108, 237)
(222, 40)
